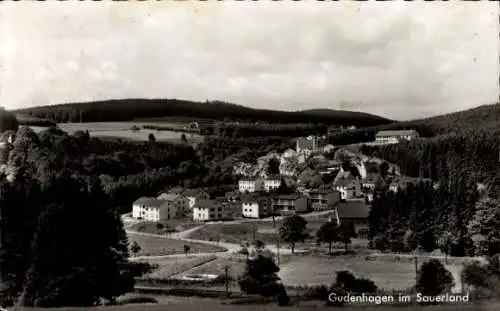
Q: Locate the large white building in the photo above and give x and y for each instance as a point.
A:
(153, 209)
(393, 137)
(253, 184)
(255, 207)
(206, 210)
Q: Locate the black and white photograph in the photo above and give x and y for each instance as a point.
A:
(249, 155)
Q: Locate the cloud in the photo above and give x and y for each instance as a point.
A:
(399, 59)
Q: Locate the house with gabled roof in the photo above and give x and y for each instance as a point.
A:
(206, 210)
(255, 206)
(153, 209)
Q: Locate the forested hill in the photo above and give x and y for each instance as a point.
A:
(130, 109)
(486, 117)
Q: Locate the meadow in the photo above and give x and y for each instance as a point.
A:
(167, 226)
(168, 267)
(310, 270)
(123, 130)
(160, 246)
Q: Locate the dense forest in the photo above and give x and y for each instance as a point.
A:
(130, 109)
(68, 192)
(462, 158)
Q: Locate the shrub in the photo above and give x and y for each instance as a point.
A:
(433, 278)
(364, 286)
(282, 298)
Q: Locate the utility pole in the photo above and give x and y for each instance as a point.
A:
(226, 270)
(253, 233)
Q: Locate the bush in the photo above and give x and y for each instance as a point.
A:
(433, 278)
(364, 286)
(282, 298)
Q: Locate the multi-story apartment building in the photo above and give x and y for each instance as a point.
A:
(289, 203)
(206, 210)
(255, 206)
(250, 184)
(323, 199)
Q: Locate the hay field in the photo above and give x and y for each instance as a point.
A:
(123, 130)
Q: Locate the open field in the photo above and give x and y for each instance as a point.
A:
(168, 226)
(232, 233)
(309, 270)
(263, 231)
(168, 267)
(123, 130)
(158, 246)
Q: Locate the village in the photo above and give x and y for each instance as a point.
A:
(276, 185)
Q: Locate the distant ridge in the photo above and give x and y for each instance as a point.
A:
(130, 109)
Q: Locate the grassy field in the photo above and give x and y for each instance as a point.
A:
(264, 231)
(232, 233)
(171, 266)
(157, 246)
(309, 270)
(123, 130)
(168, 226)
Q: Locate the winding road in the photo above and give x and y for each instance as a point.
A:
(231, 248)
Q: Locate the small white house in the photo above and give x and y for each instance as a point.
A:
(250, 185)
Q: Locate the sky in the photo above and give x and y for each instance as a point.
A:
(401, 60)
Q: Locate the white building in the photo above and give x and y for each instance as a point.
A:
(393, 137)
(153, 209)
(193, 195)
(272, 183)
(289, 154)
(250, 185)
(206, 210)
(349, 190)
(255, 207)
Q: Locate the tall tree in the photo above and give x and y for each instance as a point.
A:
(294, 230)
(273, 166)
(328, 233)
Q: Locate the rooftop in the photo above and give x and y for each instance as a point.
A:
(206, 204)
(169, 197)
(353, 209)
(149, 201)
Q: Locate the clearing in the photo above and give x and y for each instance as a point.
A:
(123, 130)
(160, 246)
(166, 226)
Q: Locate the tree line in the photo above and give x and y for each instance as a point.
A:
(130, 109)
